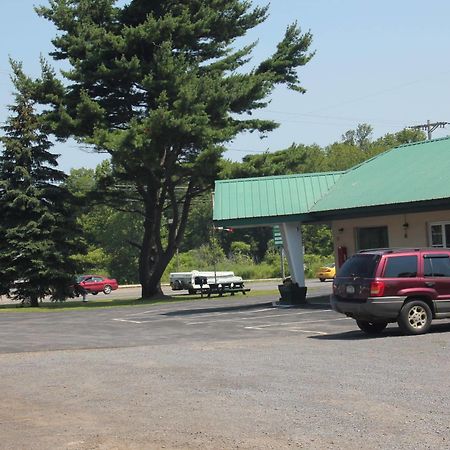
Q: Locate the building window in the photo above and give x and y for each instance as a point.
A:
(439, 234)
(372, 237)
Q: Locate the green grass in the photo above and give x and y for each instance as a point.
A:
(106, 303)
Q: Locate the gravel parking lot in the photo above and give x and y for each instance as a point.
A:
(218, 374)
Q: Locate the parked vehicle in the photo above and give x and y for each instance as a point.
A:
(190, 281)
(407, 286)
(94, 284)
(327, 272)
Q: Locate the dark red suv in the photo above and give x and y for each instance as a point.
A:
(407, 286)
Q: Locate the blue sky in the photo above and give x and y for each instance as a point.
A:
(380, 62)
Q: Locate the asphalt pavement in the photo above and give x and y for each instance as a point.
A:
(219, 373)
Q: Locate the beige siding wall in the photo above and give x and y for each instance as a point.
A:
(416, 235)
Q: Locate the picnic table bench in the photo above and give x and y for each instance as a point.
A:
(220, 288)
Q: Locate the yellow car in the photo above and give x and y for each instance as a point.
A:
(327, 272)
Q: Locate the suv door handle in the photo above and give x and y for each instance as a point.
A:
(430, 284)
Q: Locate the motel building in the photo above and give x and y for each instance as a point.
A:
(400, 198)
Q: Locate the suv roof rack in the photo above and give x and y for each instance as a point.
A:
(400, 249)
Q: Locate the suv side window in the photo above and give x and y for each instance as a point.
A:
(401, 267)
(436, 266)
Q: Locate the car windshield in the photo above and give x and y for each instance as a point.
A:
(361, 265)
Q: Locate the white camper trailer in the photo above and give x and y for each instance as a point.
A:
(196, 281)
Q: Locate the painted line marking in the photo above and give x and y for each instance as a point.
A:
(230, 312)
(127, 320)
(297, 330)
(159, 311)
(262, 327)
(263, 317)
(199, 314)
(158, 315)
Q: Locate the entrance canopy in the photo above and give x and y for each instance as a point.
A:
(263, 201)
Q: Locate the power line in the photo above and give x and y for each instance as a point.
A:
(377, 93)
(429, 127)
(345, 119)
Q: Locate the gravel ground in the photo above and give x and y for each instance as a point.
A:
(167, 383)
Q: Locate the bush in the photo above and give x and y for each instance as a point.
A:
(94, 261)
(242, 265)
(239, 248)
(313, 262)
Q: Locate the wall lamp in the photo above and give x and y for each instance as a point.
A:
(405, 229)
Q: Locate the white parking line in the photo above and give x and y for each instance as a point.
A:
(230, 312)
(262, 317)
(199, 313)
(127, 320)
(262, 327)
(297, 330)
(158, 313)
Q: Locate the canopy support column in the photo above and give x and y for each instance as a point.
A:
(293, 246)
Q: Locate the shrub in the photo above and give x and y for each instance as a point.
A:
(243, 266)
(313, 262)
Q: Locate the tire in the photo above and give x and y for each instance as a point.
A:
(371, 327)
(322, 280)
(415, 317)
(94, 293)
(107, 289)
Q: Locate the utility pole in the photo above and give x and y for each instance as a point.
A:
(429, 127)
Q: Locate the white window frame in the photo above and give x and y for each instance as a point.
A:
(442, 224)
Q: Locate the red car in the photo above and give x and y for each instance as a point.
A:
(96, 283)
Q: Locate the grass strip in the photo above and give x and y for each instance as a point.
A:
(117, 303)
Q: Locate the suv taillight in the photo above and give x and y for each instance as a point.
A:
(376, 288)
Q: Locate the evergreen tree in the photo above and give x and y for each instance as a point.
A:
(162, 85)
(38, 233)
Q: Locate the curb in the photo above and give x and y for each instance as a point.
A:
(245, 281)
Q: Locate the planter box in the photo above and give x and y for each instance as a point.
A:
(292, 294)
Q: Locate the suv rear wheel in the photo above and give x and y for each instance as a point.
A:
(415, 317)
(371, 327)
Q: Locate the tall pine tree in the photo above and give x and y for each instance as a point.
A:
(38, 230)
(161, 86)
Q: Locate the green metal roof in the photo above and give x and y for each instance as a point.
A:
(409, 173)
(413, 174)
(260, 200)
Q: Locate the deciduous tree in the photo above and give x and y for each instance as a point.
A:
(161, 86)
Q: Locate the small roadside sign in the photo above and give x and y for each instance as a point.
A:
(277, 238)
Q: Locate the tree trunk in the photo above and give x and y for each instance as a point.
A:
(153, 260)
(145, 264)
(150, 273)
(34, 302)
